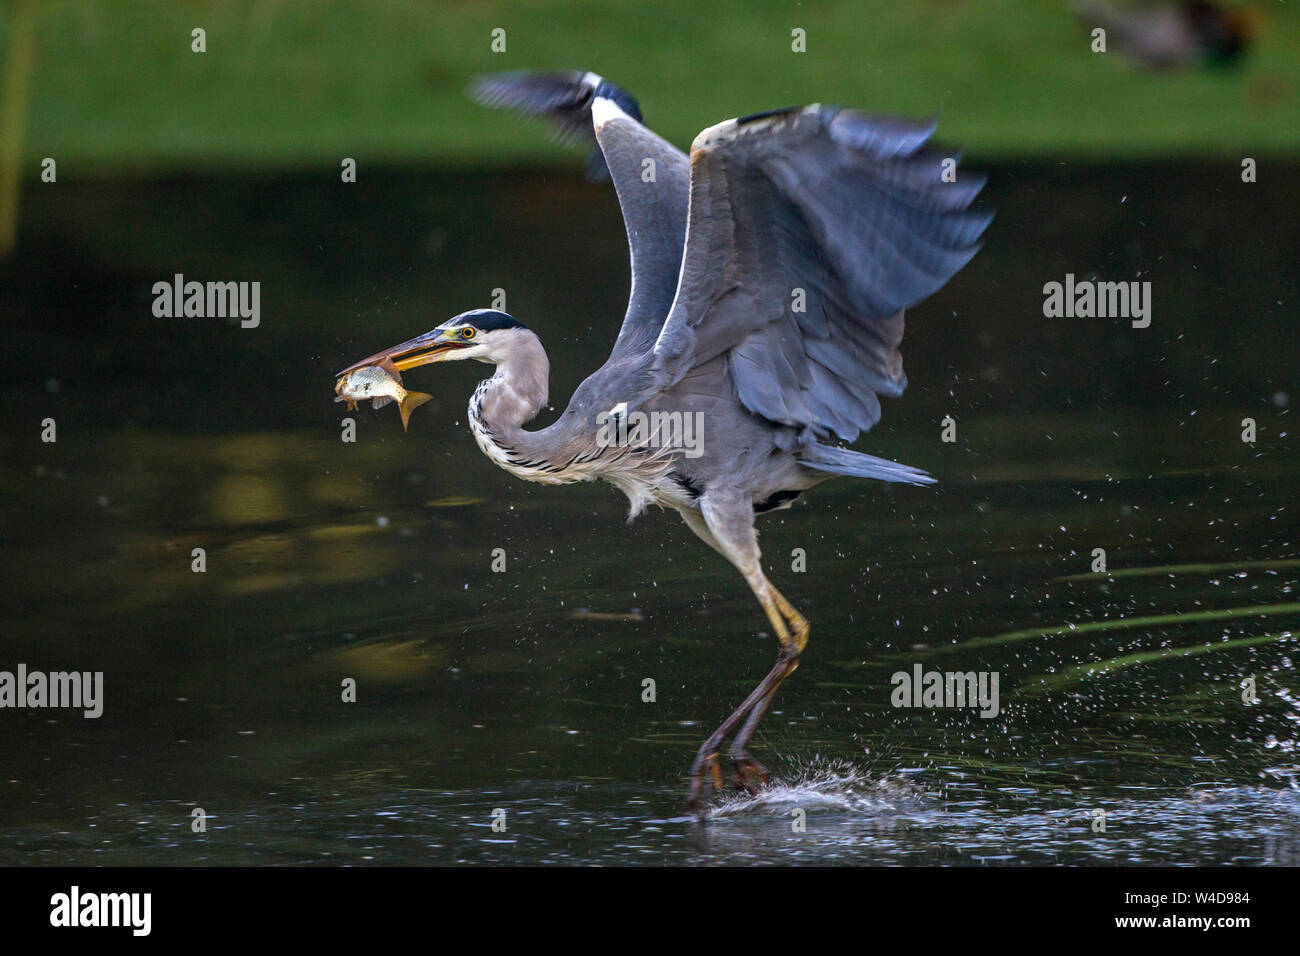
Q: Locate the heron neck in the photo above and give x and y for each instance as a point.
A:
(516, 393)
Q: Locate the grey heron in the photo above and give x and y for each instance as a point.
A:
(770, 271)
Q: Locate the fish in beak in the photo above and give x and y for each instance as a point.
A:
(377, 383)
(379, 376)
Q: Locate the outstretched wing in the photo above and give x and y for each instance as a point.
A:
(651, 176)
(810, 230)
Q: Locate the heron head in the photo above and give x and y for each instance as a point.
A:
(486, 335)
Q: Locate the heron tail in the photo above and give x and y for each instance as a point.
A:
(410, 403)
(841, 461)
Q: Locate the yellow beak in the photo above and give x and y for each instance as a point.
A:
(420, 350)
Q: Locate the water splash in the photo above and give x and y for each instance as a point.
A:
(819, 785)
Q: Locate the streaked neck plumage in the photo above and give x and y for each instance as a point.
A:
(502, 404)
(564, 452)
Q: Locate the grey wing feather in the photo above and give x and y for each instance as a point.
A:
(651, 177)
(810, 231)
(841, 461)
(563, 98)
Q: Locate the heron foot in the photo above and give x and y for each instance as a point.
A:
(706, 778)
(748, 773)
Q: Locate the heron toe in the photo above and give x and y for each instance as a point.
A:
(749, 774)
(706, 778)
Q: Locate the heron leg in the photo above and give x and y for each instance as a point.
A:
(743, 765)
(706, 771)
(727, 525)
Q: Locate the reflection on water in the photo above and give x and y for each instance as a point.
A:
(522, 691)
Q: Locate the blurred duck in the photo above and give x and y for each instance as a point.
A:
(1171, 35)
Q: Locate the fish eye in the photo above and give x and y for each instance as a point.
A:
(467, 332)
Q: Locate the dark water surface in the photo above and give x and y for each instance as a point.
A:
(480, 691)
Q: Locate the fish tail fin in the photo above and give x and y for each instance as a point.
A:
(410, 403)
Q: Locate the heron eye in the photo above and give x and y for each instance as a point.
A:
(467, 333)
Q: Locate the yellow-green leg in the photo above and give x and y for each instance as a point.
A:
(747, 771)
(728, 528)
